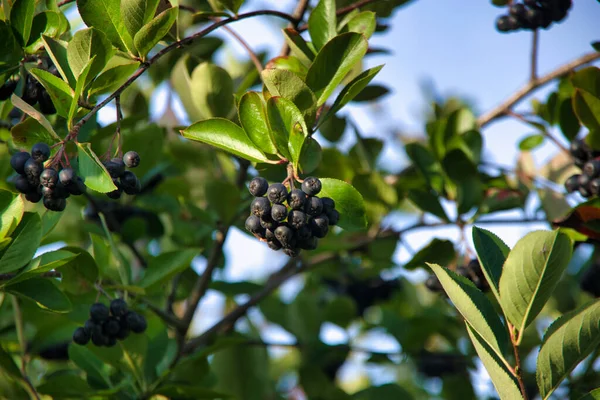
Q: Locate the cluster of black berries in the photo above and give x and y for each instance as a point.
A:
(295, 226)
(37, 182)
(588, 182)
(533, 14)
(33, 93)
(124, 180)
(472, 272)
(106, 326)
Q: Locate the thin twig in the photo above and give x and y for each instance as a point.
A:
(518, 369)
(168, 318)
(245, 45)
(544, 132)
(49, 274)
(534, 55)
(529, 87)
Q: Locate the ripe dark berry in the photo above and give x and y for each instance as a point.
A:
(253, 224)
(304, 232)
(55, 204)
(34, 196)
(111, 326)
(66, 176)
(18, 160)
(45, 102)
(90, 326)
(131, 159)
(99, 312)
(314, 206)
(534, 17)
(311, 186)
(513, 23)
(333, 216)
(99, 339)
(277, 193)
(296, 199)
(110, 341)
(40, 152)
(77, 187)
(518, 10)
(274, 244)
(118, 307)
(31, 92)
(130, 183)
(22, 185)
(258, 186)
(116, 194)
(328, 203)
(268, 223)
(592, 168)
(285, 235)
(47, 192)
(572, 183)
(594, 186)
(585, 191)
(136, 322)
(502, 23)
(583, 180)
(278, 212)
(310, 243)
(579, 149)
(123, 331)
(33, 169)
(48, 178)
(320, 226)
(114, 169)
(8, 88)
(81, 337)
(260, 206)
(291, 252)
(297, 219)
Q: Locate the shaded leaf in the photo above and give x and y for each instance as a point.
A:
(438, 251)
(212, 90)
(59, 91)
(288, 128)
(290, 86)
(253, 118)
(92, 171)
(348, 202)
(491, 253)
(57, 50)
(298, 46)
(43, 292)
(322, 23)
(427, 202)
(21, 19)
(25, 241)
(154, 31)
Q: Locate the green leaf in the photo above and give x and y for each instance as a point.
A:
(290, 86)
(253, 118)
(594, 394)
(425, 162)
(8, 365)
(45, 23)
(491, 253)
(25, 241)
(137, 13)
(363, 22)
(93, 366)
(567, 120)
(43, 292)
(212, 90)
(531, 272)
(21, 19)
(57, 50)
(10, 51)
(371, 93)
(11, 209)
(389, 391)
(80, 273)
(88, 44)
(428, 202)
(322, 23)
(59, 91)
(92, 171)
(154, 31)
(111, 78)
(106, 17)
(185, 391)
(233, 5)
(65, 385)
(44, 263)
(289, 63)
(162, 268)
(298, 46)
(504, 382)
(531, 142)
(35, 114)
(438, 251)
(348, 202)
(311, 156)
(225, 135)
(475, 307)
(182, 82)
(569, 340)
(463, 172)
(82, 80)
(288, 127)
(335, 60)
(29, 132)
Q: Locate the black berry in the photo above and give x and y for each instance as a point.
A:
(49, 177)
(572, 183)
(308, 243)
(278, 212)
(311, 186)
(40, 152)
(285, 235)
(258, 186)
(18, 160)
(320, 226)
(81, 337)
(502, 23)
(118, 307)
(55, 204)
(115, 169)
(130, 183)
(8, 88)
(66, 176)
(137, 323)
(268, 223)
(297, 219)
(33, 169)
(333, 216)
(22, 184)
(116, 194)
(314, 206)
(99, 339)
(90, 326)
(260, 206)
(99, 312)
(45, 102)
(592, 168)
(291, 252)
(34, 196)
(131, 159)
(277, 193)
(253, 224)
(296, 199)
(111, 326)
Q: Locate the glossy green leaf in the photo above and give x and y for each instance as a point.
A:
(11, 212)
(29, 132)
(348, 202)
(43, 292)
(425, 162)
(45, 23)
(289, 63)
(531, 142)
(154, 31)
(59, 91)
(438, 251)
(594, 394)
(93, 366)
(212, 90)
(428, 202)
(106, 17)
(10, 51)
(568, 341)
(224, 135)
(25, 241)
(92, 171)
(57, 50)
(504, 382)
(335, 60)
(253, 117)
(44, 263)
(290, 86)
(111, 78)
(311, 156)
(363, 22)
(298, 46)
(35, 114)
(165, 266)
(371, 93)
(8, 365)
(531, 272)
(288, 127)
(491, 253)
(21, 19)
(474, 306)
(322, 23)
(88, 44)
(137, 13)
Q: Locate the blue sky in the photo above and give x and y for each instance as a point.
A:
(452, 44)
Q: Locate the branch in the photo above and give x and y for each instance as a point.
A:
(534, 55)
(49, 274)
(531, 86)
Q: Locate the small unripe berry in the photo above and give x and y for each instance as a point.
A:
(277, 193)
(118, 307)
(131, 159)
(40, 152)
(49, 177)
(278, 212)
(137, 323)
(260, 206)
(311, 186)
(99, 312)
(258, 186)
(18, 160)
(296, 199)
(81, 337)
(314, 206)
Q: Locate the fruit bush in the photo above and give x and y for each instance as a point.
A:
(113, 233)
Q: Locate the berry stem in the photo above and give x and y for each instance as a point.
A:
(534, 56)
